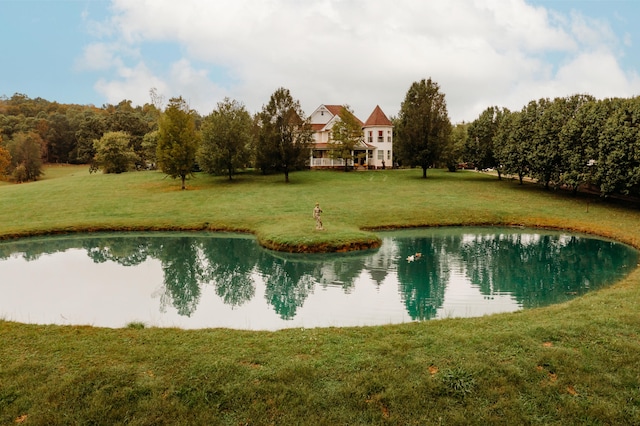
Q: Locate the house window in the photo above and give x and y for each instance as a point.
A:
(380, 136)
(389, 136)
(370, 136)
(380, 154)
(389, 155)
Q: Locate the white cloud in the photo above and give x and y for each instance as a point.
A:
(98, 56)
(360, 52)
(131, 83)
(597, 73)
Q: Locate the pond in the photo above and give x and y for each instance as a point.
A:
(203, 280)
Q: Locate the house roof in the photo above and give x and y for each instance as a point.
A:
(334, 109)
(377, 118)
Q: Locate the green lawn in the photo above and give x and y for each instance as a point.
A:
(574, 363)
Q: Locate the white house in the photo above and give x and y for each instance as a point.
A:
(375, 150)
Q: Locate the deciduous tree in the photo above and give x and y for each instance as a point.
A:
(113, 153)
(454, 149)
(346, 134)
(423, 125)
(618, 164)
(26, 156)
(126, 118)
(479, 148)
(178, 140)
(226, 139)
(284, 136)
(511, 149)
(575, 152)
(91, 126)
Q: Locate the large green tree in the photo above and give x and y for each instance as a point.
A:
(125, 118)
(479, 147)
(113, 153)
(551, 154)
(579, 142)
(423, 125)
(178, 140)
(26, 156)
(453, 152)
(618, 163)
(227, 135)
(346, 134)
(511, 148)
(284, 136)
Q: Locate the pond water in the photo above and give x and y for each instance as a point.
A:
(202, 280)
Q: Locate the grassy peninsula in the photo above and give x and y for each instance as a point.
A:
(574, 363)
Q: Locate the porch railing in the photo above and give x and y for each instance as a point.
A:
(329, 162)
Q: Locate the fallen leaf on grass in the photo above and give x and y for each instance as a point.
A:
(22, 418)
(433, 369)
(375, 399)
(385, 412)
(572, 391)
(547, 344)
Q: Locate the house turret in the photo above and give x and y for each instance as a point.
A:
(378, 132)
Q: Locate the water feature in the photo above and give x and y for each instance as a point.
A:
(200, 280)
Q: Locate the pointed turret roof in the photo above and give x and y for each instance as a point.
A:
(377, 118)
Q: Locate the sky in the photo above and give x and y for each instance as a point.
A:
(361, 53)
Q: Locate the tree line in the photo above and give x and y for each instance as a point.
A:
(572, 142)
(177, 140)
(37, 131)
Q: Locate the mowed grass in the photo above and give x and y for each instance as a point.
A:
(574, 363)
(68, 198)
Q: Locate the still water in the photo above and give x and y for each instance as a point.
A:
(201, 280)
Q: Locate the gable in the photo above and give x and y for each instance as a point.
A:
(377, 119)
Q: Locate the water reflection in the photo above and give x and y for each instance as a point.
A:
(217, 280)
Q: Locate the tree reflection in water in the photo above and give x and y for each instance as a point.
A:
(535, 268)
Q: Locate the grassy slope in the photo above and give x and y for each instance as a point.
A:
(571, 363)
